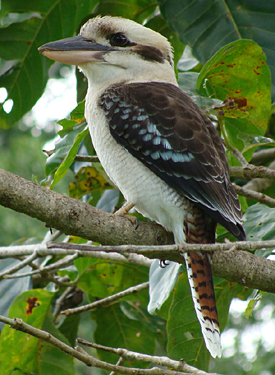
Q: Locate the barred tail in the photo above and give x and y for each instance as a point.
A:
(202, 289)
(200, 228)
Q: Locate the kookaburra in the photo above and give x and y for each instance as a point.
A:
(155, 144)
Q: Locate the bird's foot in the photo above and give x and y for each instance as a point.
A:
(123, 211)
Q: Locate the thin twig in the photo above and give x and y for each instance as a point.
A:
(133, 356)
(263, 156)
(175, 249)
(259, 197)
(60, 300)
(89, 360)
(250, 171)
(107, 300)
(119, 362)
(87, 158)
(18, 266)
(261, 184)
(238, 155)
(61, 263)
(49, 236)
(43, 251)
(237, 266)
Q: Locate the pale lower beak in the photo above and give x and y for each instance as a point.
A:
(74, 51)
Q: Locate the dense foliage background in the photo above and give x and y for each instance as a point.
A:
(224, 54)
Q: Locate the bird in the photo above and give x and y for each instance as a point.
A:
(156, 145)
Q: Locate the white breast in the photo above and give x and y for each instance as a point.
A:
(151, 196)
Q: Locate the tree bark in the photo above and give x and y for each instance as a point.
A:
(80, 219)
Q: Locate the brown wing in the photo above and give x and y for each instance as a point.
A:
(162, 127)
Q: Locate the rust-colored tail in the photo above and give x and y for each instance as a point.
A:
(199, 228)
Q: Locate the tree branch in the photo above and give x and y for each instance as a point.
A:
(107, 300)
(77, 218)
(74, 217)
(250, 171)
(134, 356)
(260, 184)
(263, 156)
(250, 194)
(89, 360)
(234, 265)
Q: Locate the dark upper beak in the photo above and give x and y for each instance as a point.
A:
(75, 51)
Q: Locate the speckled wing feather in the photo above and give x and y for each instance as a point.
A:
(163, 128)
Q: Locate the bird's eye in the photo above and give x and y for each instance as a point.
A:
(119, 40)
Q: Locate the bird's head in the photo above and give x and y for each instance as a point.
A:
(116, 49)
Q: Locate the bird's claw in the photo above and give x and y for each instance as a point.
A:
(123, 211)
(163, 263)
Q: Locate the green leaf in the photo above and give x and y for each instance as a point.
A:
(73, 133)
(69, 159)
(153, 323)
(89, 179)
(259, 223)
(137, 10)
(21, 353)
(69, 328)
(76, 118)
(115, 329)
(101, 278)
(134, 275)
(238, 75)
(251, 304)
(183, 329)
(51, 20)
(19, 350)
(188, 83)
(208, 25)
(53, 360)
(11, 288)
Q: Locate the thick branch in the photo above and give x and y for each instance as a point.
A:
(72, 216)
(234, 265)
(77, 218)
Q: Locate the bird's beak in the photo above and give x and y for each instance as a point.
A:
(74, 51)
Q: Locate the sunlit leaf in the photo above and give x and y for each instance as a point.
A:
(162, 281)
(251, 304)
(76, 118)
(208, 25)
(53, 360)
(71, 151)
(239, 76)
